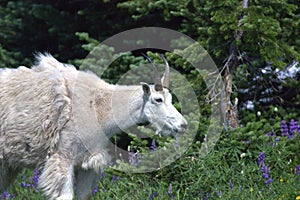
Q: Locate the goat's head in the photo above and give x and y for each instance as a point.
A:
(158, 108)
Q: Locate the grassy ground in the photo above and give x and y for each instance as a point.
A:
(243, 165)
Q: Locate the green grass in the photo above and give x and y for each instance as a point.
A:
(234, 159)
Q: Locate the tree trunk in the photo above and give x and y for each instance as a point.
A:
(229, 109)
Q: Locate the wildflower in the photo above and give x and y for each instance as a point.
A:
(170, 191)
(134, 158)
(297, 170)
(270, 134)
(281, 180)
(294, 126)
(284, 128)
(230, 184)
(6, 195)
(275, 109)
(265, 175)
(153, 145)
(115, 178)
(258, 113)
(261, 158)
(242, 155)
(154, 194)
(24, 184)
(95, 190)
(270, 180)
(31, 182)
(298, 197)
(102, 174)
(265, 170)
(35, 179)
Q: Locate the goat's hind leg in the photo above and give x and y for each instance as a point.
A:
(7, 176)
(56, 179)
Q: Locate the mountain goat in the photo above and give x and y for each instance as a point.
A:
(38, 122)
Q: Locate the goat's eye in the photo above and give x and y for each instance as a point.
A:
(158, 100)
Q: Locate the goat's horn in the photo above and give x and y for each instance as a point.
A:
(166, 81)
(157, 84)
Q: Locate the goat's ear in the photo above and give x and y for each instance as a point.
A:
(146, 88)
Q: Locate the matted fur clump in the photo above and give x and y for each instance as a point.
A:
(36, 129)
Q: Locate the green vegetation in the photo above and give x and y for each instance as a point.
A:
(255, 45)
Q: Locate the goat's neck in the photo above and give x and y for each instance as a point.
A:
(126, 109)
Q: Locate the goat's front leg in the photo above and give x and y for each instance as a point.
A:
(87, 177)
(86, 181)
(56, 179)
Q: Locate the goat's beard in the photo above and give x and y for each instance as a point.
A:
(164, 128)
(165, 132)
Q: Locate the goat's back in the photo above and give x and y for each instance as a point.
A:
(34, 107)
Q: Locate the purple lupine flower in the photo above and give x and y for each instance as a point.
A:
(284, 128)
(294, 126)
(170, 190)
(297, 170)
(95, 190)
(270, 134)
(153, 145)
(134, 158)
(265, 170)
(265, 175)
(230, 184)
(115, 178)
(24, 184)
(261, 158)
(102, 174)
(291, 135)
(35, 179)
(31, 182)
(6, 195)
(154, 194)
(270, 180)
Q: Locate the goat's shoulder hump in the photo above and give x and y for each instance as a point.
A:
(47, 62)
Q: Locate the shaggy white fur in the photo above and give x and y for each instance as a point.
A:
(47, 120)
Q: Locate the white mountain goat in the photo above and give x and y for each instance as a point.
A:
(38, 127)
